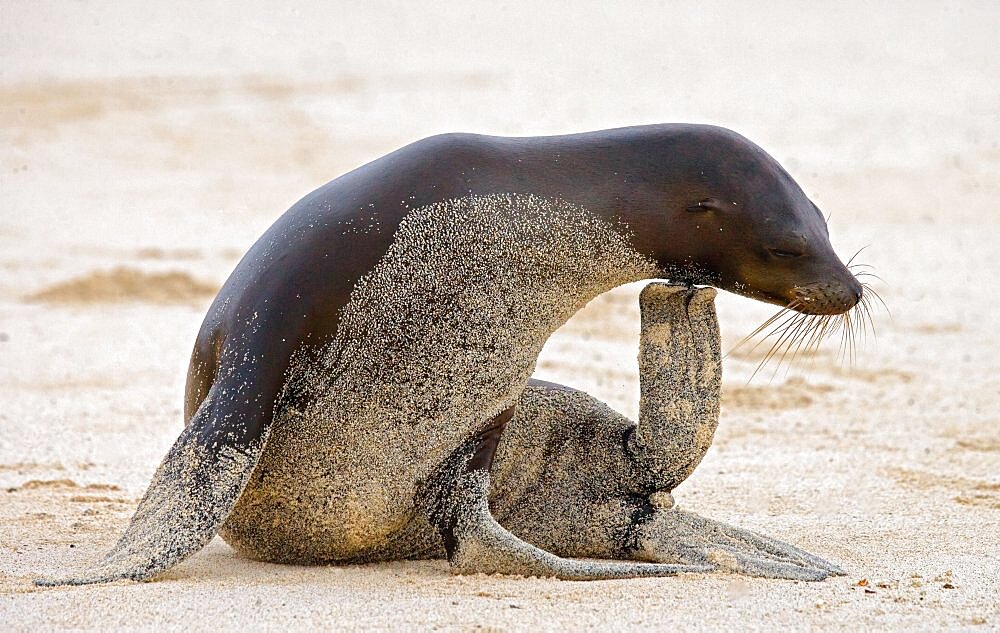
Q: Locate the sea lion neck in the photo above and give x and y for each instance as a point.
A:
(633, 177)
(606, 173)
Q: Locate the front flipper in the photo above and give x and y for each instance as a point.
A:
(200, 480)
(457, 504)
(676, 536)
(680, 381)
(191, 494)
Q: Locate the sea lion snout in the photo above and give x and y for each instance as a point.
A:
(827, 297)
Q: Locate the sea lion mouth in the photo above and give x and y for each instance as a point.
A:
(691, 274)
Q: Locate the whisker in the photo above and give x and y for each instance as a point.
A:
(867, 316)
(786, 333)
(831, 327)
(848, 264)
(817, 335)
(810, 330)
(757, 331)
(793, 336)
(848, 334)
(786, 311)
(852, 325)
(776, 332)
(854, 339)
(866, 288)
(788, 322)
(859, 313)
(781, 332)
(825, 331)
(795, 342)
(844, 335)
(867, 274)
(819, 325)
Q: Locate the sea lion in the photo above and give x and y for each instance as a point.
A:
(360, 364)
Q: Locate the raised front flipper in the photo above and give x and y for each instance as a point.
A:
(680, 380)
(675, 536)
(566, 481)
(202, 476)
(681, 377)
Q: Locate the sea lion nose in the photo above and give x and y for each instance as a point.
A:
(855, 289)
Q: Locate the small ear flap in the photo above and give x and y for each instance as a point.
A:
(708, 204)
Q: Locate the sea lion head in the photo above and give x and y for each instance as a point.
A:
(738, 221)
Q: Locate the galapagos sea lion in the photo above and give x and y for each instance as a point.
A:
(360, 364)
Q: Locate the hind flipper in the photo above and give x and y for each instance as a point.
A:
(457, 503)
(676, 536)
(483, 546)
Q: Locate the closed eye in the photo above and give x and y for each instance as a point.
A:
(708, 204)
(777, 252)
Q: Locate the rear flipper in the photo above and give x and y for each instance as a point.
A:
(675, 536)
(457, 504)
(191, 494)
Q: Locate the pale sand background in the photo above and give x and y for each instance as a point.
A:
(165, 138)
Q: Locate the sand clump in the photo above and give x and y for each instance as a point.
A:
(125, 284)
(62, 484)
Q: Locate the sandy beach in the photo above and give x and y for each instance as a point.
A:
(143, 150)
